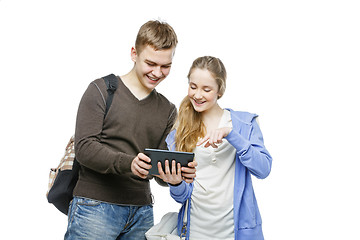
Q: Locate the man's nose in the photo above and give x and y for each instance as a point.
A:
(157, 72)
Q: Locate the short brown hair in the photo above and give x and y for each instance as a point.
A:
(159, 35)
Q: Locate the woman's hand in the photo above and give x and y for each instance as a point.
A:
(174, 177)
(214, 137)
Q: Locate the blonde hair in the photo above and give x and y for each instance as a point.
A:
(189, 125)
(159, 35)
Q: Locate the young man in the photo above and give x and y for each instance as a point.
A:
(112, 199)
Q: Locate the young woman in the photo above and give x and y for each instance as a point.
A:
(229, 148)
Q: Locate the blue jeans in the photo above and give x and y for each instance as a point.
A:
(91, 219)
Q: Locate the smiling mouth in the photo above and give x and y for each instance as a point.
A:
(197, 102)
(154, 79)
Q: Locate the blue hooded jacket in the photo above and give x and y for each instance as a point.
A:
(251, 158)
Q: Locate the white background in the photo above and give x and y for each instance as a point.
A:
(295, 63)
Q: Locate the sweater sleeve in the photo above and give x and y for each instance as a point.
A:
(252, 152)
(170, 123)
(89, 150)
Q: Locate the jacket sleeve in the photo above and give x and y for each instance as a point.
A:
(170, 141)
(181, 192)
(170, 124)
(89, 150)
(252, 152)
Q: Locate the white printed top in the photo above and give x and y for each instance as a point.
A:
(211, 210)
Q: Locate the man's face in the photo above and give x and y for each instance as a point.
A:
(152, 66)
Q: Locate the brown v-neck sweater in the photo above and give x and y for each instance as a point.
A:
(106, 147)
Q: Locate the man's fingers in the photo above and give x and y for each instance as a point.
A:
(188, 175)
(192, 164)
(187, 170)
(144, 165)
(141, 172)
(188, 180)
(144, 158)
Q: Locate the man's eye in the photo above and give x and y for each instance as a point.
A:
(150, 64)
(207, 90)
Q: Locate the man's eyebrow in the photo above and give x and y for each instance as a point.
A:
(151, 62)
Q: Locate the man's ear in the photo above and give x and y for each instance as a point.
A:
(133, 54)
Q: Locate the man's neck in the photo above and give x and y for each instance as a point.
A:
(133, 83)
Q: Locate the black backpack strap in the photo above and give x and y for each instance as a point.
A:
(111, 82)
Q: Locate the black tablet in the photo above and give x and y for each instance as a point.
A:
(158, 155)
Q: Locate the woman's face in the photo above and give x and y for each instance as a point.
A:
(203, 90)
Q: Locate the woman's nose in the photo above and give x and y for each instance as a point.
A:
(197, 95)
